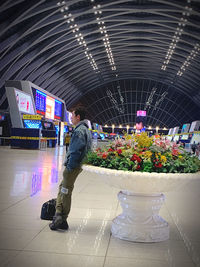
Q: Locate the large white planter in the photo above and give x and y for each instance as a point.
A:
(141, 198)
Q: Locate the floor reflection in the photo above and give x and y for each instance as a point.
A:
(188, 243)
(36, 184)
(20, 183)
(54, 176)
(29, 178)
(43, 179)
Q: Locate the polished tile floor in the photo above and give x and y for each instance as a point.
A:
(28, 178)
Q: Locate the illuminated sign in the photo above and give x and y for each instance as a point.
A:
(185, 137)
(58, 109)
(69, 117)
(194, 126)
(50, 107)
(2, 117)
(89, 124)
(40, 102)
(31, 117)
(33, 124)
(47, 106)
(142, 113)
(24, 102)
(185, 128)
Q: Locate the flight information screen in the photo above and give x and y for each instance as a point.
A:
(58, 110)
(40, 102)
(47, 106)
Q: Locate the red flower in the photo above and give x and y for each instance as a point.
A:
(175, 152)
(119, 151)
(110, 150)
(135, 157)
(98, 149)
(138, 167)
(104, 155)
(158, 165)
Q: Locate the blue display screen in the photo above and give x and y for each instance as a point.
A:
(57, 129)
(40, 102)
(33, 124)
(102, 136)
(2, 117)
(58, 109)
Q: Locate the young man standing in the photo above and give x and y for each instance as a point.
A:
(80, 144)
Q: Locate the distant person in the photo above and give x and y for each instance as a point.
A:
(198, 150)
(193, 147)
(79, 145)
(67, 140)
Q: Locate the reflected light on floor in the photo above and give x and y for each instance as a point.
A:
(20, 184)
(36, 184)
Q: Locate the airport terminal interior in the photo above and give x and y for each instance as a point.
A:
(133, 66)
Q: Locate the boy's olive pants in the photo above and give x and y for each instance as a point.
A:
(63, 202)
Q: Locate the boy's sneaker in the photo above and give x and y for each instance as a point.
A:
(57, 221)
(63, 226)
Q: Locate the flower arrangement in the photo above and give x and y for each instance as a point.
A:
(145, 154)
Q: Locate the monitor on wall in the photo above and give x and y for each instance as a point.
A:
(89, 124)
(50, 108)
(24, 102)
(175, 130)
(40, 101)
(194, 126)
(185, 137)
(58, 110)
(185, 128)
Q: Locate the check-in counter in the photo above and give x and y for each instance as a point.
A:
(25, 138)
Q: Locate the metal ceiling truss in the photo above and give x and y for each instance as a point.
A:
(75, 49)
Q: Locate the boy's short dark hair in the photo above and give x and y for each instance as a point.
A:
(81, 112)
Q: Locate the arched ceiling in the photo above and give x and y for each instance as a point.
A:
(113, 57)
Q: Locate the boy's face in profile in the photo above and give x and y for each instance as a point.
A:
(75, 119)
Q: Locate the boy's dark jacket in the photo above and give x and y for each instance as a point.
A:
(80, 144)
